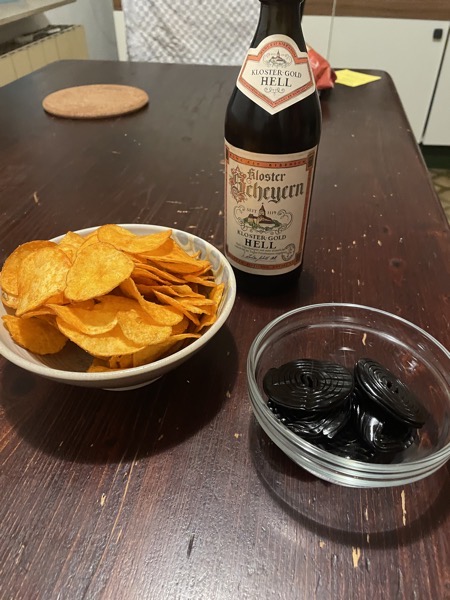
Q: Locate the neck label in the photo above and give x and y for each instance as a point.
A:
(276, 74)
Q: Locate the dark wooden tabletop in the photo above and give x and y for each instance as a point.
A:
(172, 491)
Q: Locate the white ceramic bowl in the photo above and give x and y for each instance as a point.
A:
(344, 333)
(69, 365)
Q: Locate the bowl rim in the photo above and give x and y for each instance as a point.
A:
(123, 374)
(307, 450)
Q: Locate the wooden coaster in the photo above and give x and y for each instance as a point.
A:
(95, 101)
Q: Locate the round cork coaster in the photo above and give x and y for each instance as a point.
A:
(95, 101)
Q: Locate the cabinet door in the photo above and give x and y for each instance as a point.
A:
(437, 132)
(405, 48)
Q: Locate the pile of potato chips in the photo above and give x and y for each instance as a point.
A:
(125, 299)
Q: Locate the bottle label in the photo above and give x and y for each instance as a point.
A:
(266, 209)
(276, 74)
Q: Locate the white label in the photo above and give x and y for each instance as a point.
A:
(276, 74)
(266, 209)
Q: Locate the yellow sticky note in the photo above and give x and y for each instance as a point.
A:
(353, 78)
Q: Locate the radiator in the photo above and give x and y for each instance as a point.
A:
(48, 45)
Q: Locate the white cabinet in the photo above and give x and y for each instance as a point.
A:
(437, 132)
(405, 48)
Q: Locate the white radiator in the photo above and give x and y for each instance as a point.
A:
(50, 45)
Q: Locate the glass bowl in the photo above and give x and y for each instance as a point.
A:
(344, 333)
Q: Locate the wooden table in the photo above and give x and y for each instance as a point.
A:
(172, 491)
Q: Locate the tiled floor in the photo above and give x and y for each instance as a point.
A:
(441, 182)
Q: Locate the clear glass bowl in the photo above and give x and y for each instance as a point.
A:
(343, 333)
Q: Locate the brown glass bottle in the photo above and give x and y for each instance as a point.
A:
(250, 127)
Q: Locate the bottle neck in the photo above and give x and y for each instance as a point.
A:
(280, 16)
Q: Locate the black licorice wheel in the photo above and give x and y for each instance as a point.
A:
(368, 415)
(381, 435)
(376, 383)
(309, 386)
(348, 445)
(316, 427)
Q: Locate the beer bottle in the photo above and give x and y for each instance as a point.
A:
(272, 131)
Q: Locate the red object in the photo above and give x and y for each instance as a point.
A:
(323, 73)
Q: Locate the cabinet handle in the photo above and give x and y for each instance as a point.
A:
(437, 34)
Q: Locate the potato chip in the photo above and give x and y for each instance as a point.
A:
(70, 244)
(156, 351)
(9, 276)
(178, 255)
(115, 303)
(58, 298)
(43, 311)
(178, 306)
(9, 300)
(145, 290)
(176, 267)
(122, 239)
(89, 321)
(42, 274)
(141, 276)
(90, 239)
(163, 315)
(121, 362)
(140, 330)
(34, 334)
(125, 304)
(207, 281)
(216, 297)
(98, 268)
(100, 367)
(183, 291)
(103, 345)
(205, 305)
(181, 327)
(113, 363)
(162, 275)
(217, 294)
(205, 271)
